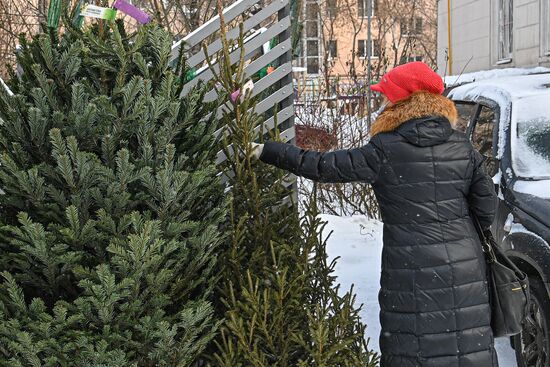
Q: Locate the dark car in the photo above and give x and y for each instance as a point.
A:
(508, 121)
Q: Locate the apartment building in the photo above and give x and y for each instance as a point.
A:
(335, 39)
(486, 34)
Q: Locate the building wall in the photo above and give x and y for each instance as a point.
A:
(471, 34)
(347, 28)
(345, 41)
(528, 33)
(474, 35)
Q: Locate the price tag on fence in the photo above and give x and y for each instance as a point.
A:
(99, 12)
(132, 11)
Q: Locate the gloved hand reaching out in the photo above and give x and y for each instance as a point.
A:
(257, 150)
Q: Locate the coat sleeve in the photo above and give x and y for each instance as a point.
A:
(481, 197)
(349, 165)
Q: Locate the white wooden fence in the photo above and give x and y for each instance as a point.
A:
(261, 24)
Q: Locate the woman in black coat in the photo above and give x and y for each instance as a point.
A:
(427, 177)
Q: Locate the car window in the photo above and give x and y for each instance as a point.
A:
(482, 138)
(465, 112)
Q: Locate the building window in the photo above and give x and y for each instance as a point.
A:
(412, 27)
(313, 48)
(412, 58)
(312, 56)
(505, 29)
(362, 8)
(419, 25)
(405, 58)
(363, 49)
(375, 48)
(311, 41)
(312, 65)
(312, 28)
(332, 9)
(312, 10)
(332, 49)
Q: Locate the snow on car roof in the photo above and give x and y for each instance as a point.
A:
(512, 87)
(456, 80)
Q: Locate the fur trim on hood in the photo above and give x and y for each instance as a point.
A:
(419, 104)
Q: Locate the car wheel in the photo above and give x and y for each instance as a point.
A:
(532, 344)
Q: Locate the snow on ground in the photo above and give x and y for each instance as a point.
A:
(358, 242)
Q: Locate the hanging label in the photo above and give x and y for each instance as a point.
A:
(132, 11)
(266, 47)
(247, 87)
(190, 74)
(94, 11)
(239, 95)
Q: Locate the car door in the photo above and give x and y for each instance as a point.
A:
(479, 122)
(482, 132)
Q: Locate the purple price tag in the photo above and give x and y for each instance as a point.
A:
(235, 95)
(132, 11)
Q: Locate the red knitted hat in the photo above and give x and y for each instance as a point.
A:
(404, 80)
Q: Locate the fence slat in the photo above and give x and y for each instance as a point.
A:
(275, 98)
(270, 79)
(256, 19)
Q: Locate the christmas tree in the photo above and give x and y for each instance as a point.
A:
(120, 246)
(111, 206)
(281, 303)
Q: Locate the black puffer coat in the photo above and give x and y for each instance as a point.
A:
(426, 176)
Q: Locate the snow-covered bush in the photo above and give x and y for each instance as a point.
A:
(338, 122)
